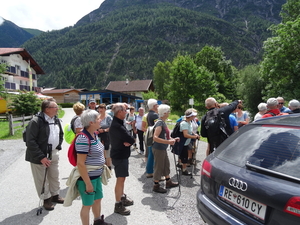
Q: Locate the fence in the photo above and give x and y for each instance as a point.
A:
(17, 126)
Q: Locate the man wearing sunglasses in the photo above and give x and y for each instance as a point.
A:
(281, 106)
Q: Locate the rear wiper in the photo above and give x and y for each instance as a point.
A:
(271, 172)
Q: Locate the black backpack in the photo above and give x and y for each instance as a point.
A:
(72, 124)
(215, 123)
(176, 130)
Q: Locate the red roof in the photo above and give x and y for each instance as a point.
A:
(25, 55)
(131, 86)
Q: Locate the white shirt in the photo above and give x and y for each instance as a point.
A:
(138, 120)
(54, 132)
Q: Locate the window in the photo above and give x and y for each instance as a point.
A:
(273, 148)
(18, 70)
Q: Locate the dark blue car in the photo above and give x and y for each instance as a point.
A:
(254, 176)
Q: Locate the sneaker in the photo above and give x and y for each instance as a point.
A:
(171, 184)
(149, 175)
(157, 188)
(101, 221)
(186, 173)
(120, 208)
(126, 201)
(141, 152)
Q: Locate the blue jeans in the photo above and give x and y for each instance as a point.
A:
(150, 161)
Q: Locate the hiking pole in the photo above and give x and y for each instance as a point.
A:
(177, 173)
(194, 156)
(40, 206)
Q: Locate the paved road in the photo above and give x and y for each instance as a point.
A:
(19, 201)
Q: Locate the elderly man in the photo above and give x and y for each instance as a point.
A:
(281, 106)
(138, 128)
(294, 106)
(216, 137)
(121, 140)
(273, 110)
(44, 137)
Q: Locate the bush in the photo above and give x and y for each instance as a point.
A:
(26, 104)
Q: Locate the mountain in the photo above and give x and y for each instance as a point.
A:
(12, 36)
(229, 10)
(34, 32)
(126, 39)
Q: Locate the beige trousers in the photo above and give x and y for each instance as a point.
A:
(52, 184)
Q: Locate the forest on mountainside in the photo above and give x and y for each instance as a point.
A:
(129, 42)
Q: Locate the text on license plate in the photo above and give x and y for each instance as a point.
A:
(253, 207)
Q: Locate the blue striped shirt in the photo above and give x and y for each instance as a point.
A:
(95, 152)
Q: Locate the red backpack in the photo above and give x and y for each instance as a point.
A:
(72, 154)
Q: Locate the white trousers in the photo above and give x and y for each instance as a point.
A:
(52, 184)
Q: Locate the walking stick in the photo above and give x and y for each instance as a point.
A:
(177, 173)
(40, 206)
(194, 157)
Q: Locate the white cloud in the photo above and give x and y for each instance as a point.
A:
(47, 15)
(1, 20)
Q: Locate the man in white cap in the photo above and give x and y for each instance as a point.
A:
(92, 104)
(273, 110)
(294, 106)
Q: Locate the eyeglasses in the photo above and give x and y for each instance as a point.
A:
(280, 103)
(53, 107)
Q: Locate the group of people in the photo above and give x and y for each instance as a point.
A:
(275, 106)
(104, 140)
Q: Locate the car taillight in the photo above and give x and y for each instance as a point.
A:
(293, 206)
(206, 168)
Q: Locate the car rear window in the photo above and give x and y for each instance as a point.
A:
(271, 147)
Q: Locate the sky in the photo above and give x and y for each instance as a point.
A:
(46, 15)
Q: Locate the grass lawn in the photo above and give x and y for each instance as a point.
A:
(4, 129)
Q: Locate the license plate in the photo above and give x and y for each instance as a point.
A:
(255, 208)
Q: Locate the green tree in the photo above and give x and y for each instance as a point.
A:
(26, 103)
(149, 95)
(280, 67)
(162, 79)
(249, 88)
(214, 60)
(189, 81)
(2, 89)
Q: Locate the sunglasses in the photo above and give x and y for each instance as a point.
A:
(280, 103)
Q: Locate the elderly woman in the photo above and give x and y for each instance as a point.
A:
(76, 121)
(262, 109)
(161, 138)
(187, 129)
(90, 153)
(105, 123)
